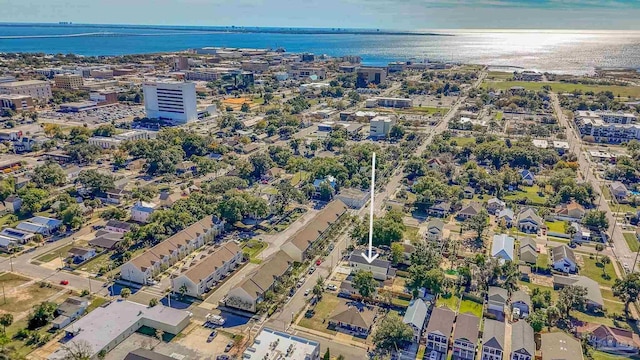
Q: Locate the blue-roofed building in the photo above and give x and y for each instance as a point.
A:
(329, 179)
(7, 244)
(527, 177)
(50, 223)
(502, 247)
(416, 316)
(21, 236)
(33, 228)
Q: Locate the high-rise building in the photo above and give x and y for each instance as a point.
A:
(370, 75)
(68, 81)
(171, 100)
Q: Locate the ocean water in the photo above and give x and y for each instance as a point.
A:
(554, 51)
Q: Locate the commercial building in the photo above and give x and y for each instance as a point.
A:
(370, 75)
(209, 268)
(272, 344)
(17, 103)
(608, 127)
(171, 100)
(300, 72)
(114, 141)
(106, 327)
(380, 126)
(255, 66)
(389, 102)
(37, 89)
(104, 97)
(166, 253)
(68, 81)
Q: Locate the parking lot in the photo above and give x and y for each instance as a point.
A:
(106, 114)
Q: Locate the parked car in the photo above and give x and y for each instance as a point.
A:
(332, 287)
(212, 336)
(229, 346)
(306, 292)
(223, 357)
(312, 269)
(318, 262)
(64, 282)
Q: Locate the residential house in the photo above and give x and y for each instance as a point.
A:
(595, 301)
(523, 346)
(353, 198)
(522, 301)
(328, 180)
(169, 251)
(105, 240)
(560, 346)
(563, 259)
(167, 199)
(250, 292)
(356, 320)
(20, 236)
(527, 177)
(80, 254)
(303, 240)
(571, 211)
(465, 336)
(610, 339)
(506, 217)
(435, 229)
(493, 340)
(13, 203)
(434, 164)
(440, 209)
(117, 226)
(71, 309)
(439, 329)
(619, 191)
(528, 221)
(468, 192)
(497, 299)
(528, 250)
(495, 205)
(7, 244)
(407, 250)
(379, 268)
(469, 211)
(72, 172)
(502, 247)
(42, 224)
(142, 210)
(416, 317)
(210, 267)
(582, 234)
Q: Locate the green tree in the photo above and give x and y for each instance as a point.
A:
(41, 315)
(479, 223)
(627, 289)
(50, 174)
(125, 293)
(553, 315)
(599, 248)
(571, 298)
(245, 107)
(95, 181)
(396, 132)
(33, 200)
(6, 320)
(392, 333)
(364, 282)
(327, 355)
(153, 302)
(597, 219)
(397, 253)
(113, 213)
(318, 288)
(537, 320)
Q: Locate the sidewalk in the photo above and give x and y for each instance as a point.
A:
(333, 338)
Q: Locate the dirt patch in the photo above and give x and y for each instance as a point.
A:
(541, 280)
(24, 298)
(11, 280)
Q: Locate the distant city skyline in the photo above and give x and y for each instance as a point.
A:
(383, 14)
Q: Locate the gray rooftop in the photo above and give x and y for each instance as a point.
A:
(441, 321)
(416, 314)
(522, 341)
(493, 334)
(467, 326)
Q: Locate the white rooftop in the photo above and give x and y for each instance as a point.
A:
(104, 324)
(271, 344)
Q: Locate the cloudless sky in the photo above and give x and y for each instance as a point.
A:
(383, 14)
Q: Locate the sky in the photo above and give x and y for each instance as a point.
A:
(380, 14)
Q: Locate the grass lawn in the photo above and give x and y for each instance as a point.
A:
(299, 176)
(499, 75)
(529, 192)
(626, 91)
(93, 266)
(451, 302)
(472, 307)
(61, 251)
(556, 226)
(95, 303)
(593, 270)
(322, 310)
(599, 355)
(253, 248)
(10, 280)
(542, 261)
(614, 307)
(554, 294)
(411, 233)
(499, 115)
(592, 318)
(632, 241)
(606, 192)
(429, 110)
(461, 141)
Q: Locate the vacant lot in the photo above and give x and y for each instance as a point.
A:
(24, 298)
(11, 280)
(604, 275)
(529, 192)
(450, 301)
(468, 306)
(323, 310)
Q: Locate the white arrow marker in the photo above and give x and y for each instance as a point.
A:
(370, 257)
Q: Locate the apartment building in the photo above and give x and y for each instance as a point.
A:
(608, 127)
(68, 81)
(174, 101)
(166, 253)
(16, 103)
(37, 89)
(209, 268)
(114, 141)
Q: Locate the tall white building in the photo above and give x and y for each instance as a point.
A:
(380, 126)
(171, 100)
(37, 89)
